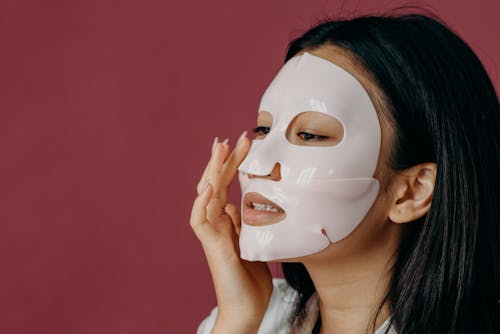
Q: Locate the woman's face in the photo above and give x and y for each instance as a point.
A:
(319, 129)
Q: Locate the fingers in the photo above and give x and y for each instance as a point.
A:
(206, 172)
(219, 198)
(234, 213)
(232, 163)
(221, 171)
(216, 164)
(207, 168)
(199, 210)
(230, 167)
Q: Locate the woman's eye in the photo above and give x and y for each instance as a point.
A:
(261, 130)
(311, 137)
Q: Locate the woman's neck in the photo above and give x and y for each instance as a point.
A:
(352, 288)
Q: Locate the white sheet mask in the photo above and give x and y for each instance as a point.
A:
(325, 191)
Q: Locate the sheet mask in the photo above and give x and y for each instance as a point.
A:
(325, 191)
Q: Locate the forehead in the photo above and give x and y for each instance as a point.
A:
(348, 61)
(312, 83)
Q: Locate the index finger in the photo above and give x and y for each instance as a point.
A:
(230, 167)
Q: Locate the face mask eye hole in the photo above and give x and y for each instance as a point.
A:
(313, 128)
(260, 131)
(264, 122)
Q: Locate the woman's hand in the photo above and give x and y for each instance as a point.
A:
(243, 288)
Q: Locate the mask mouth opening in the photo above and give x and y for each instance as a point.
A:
(259, 210)
(259, 202)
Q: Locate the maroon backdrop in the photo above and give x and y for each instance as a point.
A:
(107, 113)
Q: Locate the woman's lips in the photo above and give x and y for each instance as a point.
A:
(258, 210)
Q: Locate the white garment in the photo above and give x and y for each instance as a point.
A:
(277, 317)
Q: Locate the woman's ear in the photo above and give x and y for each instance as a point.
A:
(412, 192)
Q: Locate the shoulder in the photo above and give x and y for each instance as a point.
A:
(277, 317)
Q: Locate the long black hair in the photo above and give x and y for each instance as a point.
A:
(446, 277)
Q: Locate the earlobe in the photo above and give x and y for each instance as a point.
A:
(412, 195)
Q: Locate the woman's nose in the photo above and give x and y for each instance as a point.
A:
(275, 174)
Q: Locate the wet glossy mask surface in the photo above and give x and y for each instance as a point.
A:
(325, 191)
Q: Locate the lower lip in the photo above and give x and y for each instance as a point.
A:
(252, 216)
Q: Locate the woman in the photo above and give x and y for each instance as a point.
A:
(424, 256)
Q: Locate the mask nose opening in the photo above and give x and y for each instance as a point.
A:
(275, 174)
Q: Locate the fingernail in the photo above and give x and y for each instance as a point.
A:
(205, 186)
(225, 141)
(240, 139)
(216, 140)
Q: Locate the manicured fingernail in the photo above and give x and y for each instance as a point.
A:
(216, 140)
(225, 141)
(205, 186)
(240, 139)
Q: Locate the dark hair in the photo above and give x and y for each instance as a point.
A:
(446, 276)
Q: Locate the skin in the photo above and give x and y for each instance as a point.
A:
(351, 276)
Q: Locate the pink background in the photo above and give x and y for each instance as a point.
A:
(107, 113)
